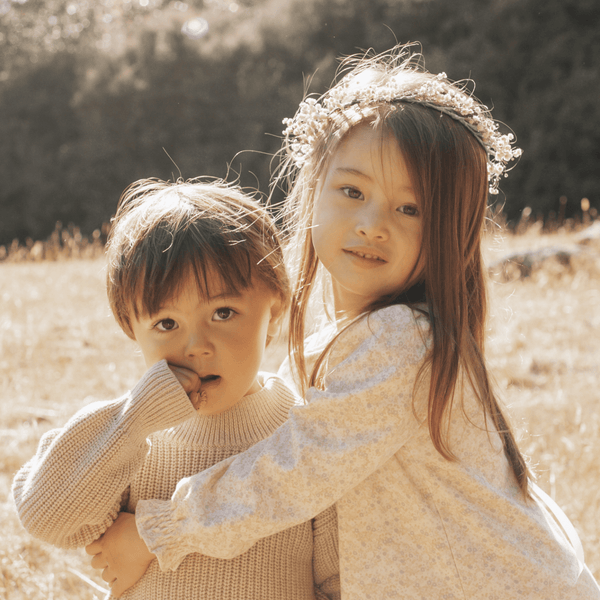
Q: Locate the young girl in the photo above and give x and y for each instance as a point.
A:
(196, 278)
(401, 427)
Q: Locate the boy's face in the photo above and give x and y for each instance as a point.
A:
(221, 339)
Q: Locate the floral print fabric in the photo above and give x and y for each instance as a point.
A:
(411, 523)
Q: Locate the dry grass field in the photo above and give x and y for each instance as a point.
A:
(60, 349)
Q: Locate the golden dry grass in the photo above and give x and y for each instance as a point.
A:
(544, 350)
(60, 349)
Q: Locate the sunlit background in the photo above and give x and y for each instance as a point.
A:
(97, 93)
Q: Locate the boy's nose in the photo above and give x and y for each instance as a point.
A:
(199, 344)
(372, 223)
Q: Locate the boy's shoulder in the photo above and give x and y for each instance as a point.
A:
(279, 388)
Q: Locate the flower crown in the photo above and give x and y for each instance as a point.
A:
(350, 97)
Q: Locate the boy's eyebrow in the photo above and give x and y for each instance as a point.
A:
(224, 295)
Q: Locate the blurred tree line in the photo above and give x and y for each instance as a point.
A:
(95, 94)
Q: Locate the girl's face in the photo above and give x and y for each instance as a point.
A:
(367, 221)
(222, 338)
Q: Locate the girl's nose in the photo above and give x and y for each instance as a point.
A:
(372, 222)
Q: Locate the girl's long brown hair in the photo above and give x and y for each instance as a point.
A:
(448, 169)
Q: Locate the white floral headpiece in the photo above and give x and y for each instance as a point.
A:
(436, 92)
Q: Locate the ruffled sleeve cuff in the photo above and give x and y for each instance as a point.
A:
(156, 527)
(171, 538)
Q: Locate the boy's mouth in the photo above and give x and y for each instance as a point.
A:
(209, 380)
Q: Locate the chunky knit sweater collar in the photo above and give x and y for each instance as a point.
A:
(252, 419)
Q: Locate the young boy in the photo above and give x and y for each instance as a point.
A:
(196, 278)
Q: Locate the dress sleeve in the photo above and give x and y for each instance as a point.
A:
(326, 555)
(326, 447)
(71, 491)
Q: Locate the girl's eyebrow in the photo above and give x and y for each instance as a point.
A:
(359, 173)
(351, 171)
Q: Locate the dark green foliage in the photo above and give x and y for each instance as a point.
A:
(81, 118)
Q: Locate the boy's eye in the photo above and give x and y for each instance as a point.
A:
(223, 314)
(409, 210)
(166, 325)
(352, 192)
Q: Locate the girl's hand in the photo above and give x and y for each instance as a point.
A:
(191, 383)
(121, 554)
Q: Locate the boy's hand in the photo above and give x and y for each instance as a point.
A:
(121, 554)
(191, 383)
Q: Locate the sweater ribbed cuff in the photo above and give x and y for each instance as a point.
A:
(158, 401)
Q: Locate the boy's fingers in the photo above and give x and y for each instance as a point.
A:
(198, 398)
(94, 547)
(188, 379)
(191, 383)
(98, 561)
(108, 576)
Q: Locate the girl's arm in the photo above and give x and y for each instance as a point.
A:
(325, 449)
(71, 490)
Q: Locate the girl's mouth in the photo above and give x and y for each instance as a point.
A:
(365, 255)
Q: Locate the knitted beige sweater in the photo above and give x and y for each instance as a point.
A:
(112, 454)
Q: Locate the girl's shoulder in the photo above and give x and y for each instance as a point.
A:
(401, 318)
(398, 330)
(397, 335)
(396, 324)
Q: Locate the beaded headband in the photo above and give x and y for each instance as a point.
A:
(353, 97)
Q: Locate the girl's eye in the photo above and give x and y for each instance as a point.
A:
(223, 314)
(352, 192)
(410, 210)
(166, 325)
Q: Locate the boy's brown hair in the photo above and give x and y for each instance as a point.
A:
(164, 231)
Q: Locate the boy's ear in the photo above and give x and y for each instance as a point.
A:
(126, 325)
(276, 316)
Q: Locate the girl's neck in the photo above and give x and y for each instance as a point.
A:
(346, 308)
(344, 317)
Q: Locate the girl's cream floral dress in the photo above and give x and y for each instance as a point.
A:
(411, 523)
